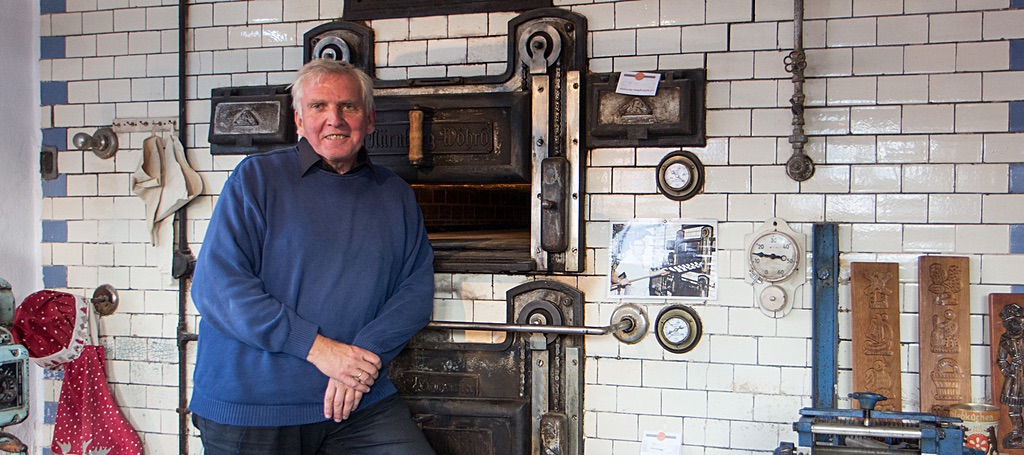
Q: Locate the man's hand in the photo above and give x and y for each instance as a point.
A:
(352, 366)
(340, 400)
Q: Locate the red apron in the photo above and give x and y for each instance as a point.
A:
(88, 420)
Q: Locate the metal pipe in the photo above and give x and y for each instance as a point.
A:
(799, 167)
(623, 325)
(857, 430)
(183, 251)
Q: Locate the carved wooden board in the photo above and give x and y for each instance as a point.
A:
(1004, 350)
(944, 305)
(875, 296)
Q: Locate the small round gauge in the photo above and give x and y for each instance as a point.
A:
(680, 175)
(772, 298)
(773, 256)
(678, 328)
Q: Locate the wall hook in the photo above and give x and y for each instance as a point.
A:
(103, 142)
(105, 300)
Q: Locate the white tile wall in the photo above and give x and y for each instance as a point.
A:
(908, 113)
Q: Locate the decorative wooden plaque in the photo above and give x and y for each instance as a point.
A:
(875, 294)
(944, 304)
(1007, 355)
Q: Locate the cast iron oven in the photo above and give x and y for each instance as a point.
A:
(494, 160)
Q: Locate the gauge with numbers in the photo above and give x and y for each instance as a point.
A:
(678, 328)
(680, 175)
(773, 256)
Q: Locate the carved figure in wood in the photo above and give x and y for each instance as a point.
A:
(878, 291)
(944, 333)
(1010, 359)
(878, 380)
(878, 340)
(945, 284)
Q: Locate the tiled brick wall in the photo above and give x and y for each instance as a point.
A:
(916, 116)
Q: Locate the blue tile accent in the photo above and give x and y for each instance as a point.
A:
(1017, 54)
(45, 451)
(56, 375)
(55, 276)
(1017, 116)
(55, 231)
(56, 137)
(1016, 238)
(50, 412)
(52, 6)
(1016, 289)
(57, 187)
(51, 93)
(1016, 178)
(51, 47)
(1017, 4)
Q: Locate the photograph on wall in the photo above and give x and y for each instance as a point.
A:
(663, 259)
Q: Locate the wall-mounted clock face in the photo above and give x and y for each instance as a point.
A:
(773, 256)
(678, 328)
(680, 175)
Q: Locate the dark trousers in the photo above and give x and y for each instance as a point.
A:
(386, 427)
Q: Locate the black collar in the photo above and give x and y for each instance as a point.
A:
(308, 159)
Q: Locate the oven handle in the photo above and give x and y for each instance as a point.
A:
(629, 325)
(625, 325)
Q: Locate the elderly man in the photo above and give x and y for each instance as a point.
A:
(314, 273)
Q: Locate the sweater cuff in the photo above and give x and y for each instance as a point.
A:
(301, 340)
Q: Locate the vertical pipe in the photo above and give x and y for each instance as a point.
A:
(183, 255)
(799, 167)
(825, 314)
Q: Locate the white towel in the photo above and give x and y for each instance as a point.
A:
(166, 183)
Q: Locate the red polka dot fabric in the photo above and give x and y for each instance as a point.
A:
(53, 326)
(88, 420)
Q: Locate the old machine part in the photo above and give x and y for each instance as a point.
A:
(867, 431)
(361, 10)
(512, 133)
(799, 167)
(246, 120)
(13, 366)
(674, 116)
(506, 388)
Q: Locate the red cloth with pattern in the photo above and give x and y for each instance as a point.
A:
(53, 326)
(88, 420)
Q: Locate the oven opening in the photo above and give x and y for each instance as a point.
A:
(477, 228)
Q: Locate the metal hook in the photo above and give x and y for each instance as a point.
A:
(103, 142)
(105, 300)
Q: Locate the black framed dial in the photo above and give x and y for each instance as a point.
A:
(680, 175)
(678, 328)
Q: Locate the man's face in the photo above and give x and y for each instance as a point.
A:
(334, 119)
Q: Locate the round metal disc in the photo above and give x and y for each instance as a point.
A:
(333, 48)
(105, 300)
(541, 312)
(637, 316)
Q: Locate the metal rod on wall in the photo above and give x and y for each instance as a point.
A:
(799, 167)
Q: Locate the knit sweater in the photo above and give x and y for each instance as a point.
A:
(293, 251)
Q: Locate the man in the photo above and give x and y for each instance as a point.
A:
(315, 272)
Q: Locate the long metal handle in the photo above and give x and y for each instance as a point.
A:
(624, 325)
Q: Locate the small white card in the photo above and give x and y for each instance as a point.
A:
(661, 443)
(638, 83)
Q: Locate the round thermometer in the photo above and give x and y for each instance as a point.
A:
(773, 256)
(678, 328)
(680, 175)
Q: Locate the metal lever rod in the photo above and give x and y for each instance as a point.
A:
(623, 325)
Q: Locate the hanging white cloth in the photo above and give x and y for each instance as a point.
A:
(165, 182)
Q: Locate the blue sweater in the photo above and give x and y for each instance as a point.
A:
(292, 251)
